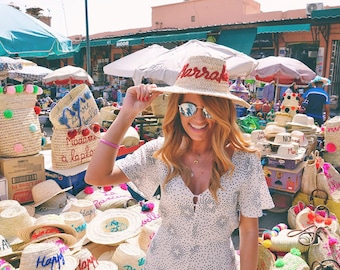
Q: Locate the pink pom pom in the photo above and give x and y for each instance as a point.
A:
(18, 147)
(11, 90)
(332, 241)
(330, 147)
(88, 190)
(29, 88)
(107, 188)
(40, 91)
(123, 186)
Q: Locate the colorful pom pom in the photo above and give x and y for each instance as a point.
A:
(40, 91)
(33, 127)
(267, 243)
(8, 114)
(88, 190)
(279, 262)
(85, 132)
(29, 88)
(107, 188)
(123, 186)
(96, 128)
(18, 148)
(19, 88)
(330, 147)
(11, 90)
(37, 110)
(332, 241)
(43, 141)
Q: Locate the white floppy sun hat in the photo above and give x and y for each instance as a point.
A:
(204, 75)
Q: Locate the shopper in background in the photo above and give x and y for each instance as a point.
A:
(211, 181)
(316, 101)
(268, 93)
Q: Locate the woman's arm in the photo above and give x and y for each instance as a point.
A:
(249, 230)
(101, 170)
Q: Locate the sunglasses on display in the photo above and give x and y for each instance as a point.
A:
(188, 109)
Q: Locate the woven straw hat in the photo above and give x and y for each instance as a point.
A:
(40, 256)
(12, 220)
(129, 256)
(8, 203)
(114, 226)
(204, 75)
(86, 208)
(46, 190)
(103, 199)
(48, 226)
(88, 262)
(6, 249)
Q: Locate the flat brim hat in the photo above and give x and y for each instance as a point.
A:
(66, 232)
(114, 226)
(204, 75)
(289, 152)
(44, 191)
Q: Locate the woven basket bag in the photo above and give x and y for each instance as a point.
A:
(20, 130)
(76, 109)
(76, 128)
(73, 147)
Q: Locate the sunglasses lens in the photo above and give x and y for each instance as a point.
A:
(189, 109)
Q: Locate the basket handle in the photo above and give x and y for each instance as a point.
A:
(313, 195)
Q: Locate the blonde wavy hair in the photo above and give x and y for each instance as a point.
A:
(177, 142)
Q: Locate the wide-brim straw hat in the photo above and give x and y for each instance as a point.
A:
(44, 191)
(67, 233)
(89, 262)
(6, 250)
(204, 75)
(114, 226)
(50, 253)
(86, 208)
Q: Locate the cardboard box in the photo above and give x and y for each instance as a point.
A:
(283, 179)
(284, 163)
(22, 174)
(3, 188)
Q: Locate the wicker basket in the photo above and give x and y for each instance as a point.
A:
(20, 130)
(78, 108)
(159, 105)
(73, 147)
(108, 113)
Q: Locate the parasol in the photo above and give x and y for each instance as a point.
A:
(32, 73)
(167, 66)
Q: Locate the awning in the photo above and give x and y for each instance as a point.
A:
(283, 28)
(175, 37)
(241, 39)
(326, 13)
(129, 41)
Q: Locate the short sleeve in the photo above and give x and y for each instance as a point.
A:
(254, 195)
(142, 169)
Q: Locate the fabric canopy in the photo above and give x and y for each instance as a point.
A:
(284, 28)
(25, 36)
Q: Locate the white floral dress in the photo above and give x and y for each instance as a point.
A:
(197, 236)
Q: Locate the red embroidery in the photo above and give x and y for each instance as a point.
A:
(204, 72)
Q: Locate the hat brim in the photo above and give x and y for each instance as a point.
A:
(299, 156)
(25, 233)
(69, 240)
(180, 90)
(99, 234)
(55, 194)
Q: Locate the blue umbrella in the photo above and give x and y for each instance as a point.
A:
(25, 36)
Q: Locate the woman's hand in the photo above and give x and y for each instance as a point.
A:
(138, 97)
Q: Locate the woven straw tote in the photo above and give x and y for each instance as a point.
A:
(76, 129)
(20, 131)
(76, 109)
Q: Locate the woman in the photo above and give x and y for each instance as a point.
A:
(211, 182)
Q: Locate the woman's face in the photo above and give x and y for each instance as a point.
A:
(198, 126)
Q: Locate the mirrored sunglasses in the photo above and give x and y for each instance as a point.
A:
(188, 109)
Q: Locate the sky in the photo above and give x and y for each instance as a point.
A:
(68, 16)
